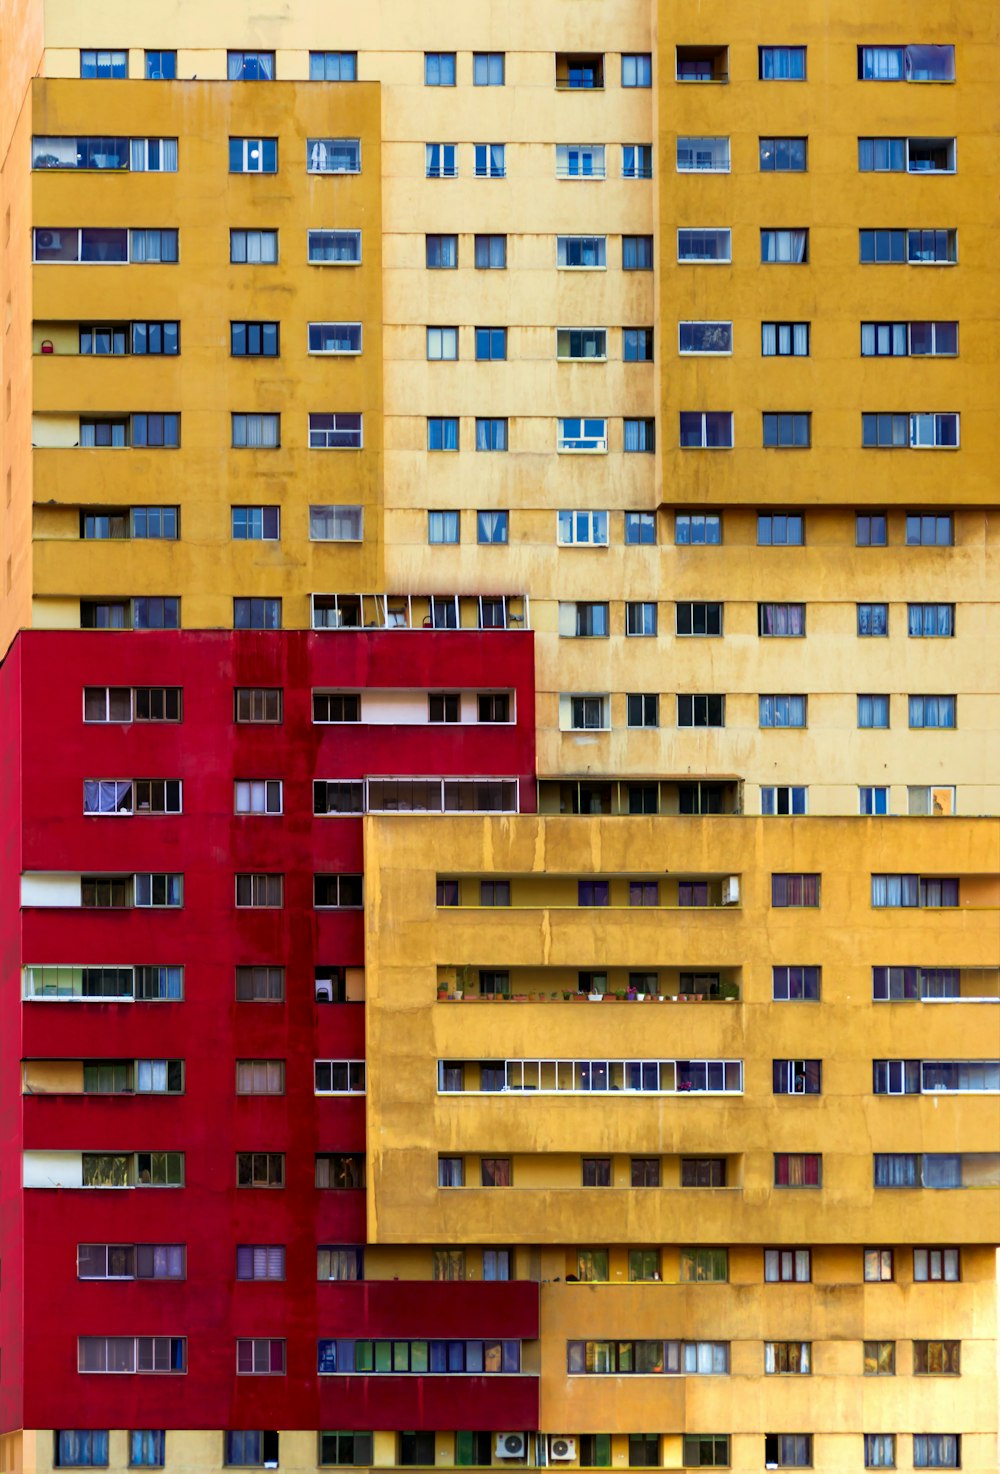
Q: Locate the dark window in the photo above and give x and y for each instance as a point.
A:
(699, 619)
(253, 339)
(645, 1171)
(345, 1448)
(596, 1171)
(703, 1172)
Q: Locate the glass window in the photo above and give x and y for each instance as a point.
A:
(490, 160)
(441, 252)
(637, 253)
(780, 529)
(704, 245)
(440, 160)
(161, 66)
(253, 155)
(784, 246)
(104, 65)
(253, 339)
(491, 343)
(442, 433)
(698, 528)
(781, 63)
(334, 337)
(333, 66)
(788, 431)
(253, 247)
(442, 527)
(338, 431)
(492, 527)
(439, 68)
(637, 345)
(335, 247)
(705, 337)
(782, 155)
(256, 432)
(333, 156)
(487, 69)
(250, 66)
(706, 430)
(490, 252)
(637, 69)
(583, 252)
(637, 161)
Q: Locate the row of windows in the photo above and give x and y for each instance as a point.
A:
(793, 1170)
(909, 63)
(260, 1449)
(253, 1077)
(160, 155)
(253, 1169)
(346, 1262)
(164, 704)
(266, 1356)
(116, 245)
(712, 1358)
(788, 155)
(246, 339)
(326, 523)
(592, 713)
(787, 889)
(254, 889)
(575, 528)
(330, 611)
(255, 983)
(774, 621)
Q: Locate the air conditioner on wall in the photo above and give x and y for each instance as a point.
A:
(731, 890)
(512, 1445)
(562, 1448)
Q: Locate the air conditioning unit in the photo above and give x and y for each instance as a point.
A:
(50, 240)
(512, 1445)
(562, 1448)
(731, 890)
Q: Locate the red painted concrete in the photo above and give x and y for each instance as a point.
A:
(46, 751)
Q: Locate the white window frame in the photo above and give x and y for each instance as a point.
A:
(356, 1072)
(569, 155)
(441, 160)
(446, 336)
(317, 150)
(582, 357)
(581, 529)
(354, 260)
(704, 352)
(581, 442)
(723, 231)
(719, 157)
(568, 725)
(256, 797)
(318, 435)
(562, 248)
(335, 352)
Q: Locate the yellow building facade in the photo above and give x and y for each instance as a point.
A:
(676, 341)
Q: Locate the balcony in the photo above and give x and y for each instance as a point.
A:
(722, 795)
(420, 611)
(469, 984)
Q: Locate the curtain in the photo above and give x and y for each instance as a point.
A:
(882, 63)
(942, 1170)
(930, 620)
(783, 245)
(873, 711)
(895, 1169)
(873, 619)
(938, 982)
(939, 892)
(782, 619)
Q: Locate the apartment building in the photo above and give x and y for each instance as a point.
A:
(497, 520)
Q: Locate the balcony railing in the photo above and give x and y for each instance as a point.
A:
(420, 611)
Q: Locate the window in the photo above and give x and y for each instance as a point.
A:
(583, 619)
(704, 1266)
(441, 252)
(788, 1450)
(260, 1261)
(702, 155)
(701, 711)
(334, 247)
(335, 431)
(580, 435)
(251, 1449)
(582, 529)
(643, 710)
(260, 1356)
(916, 432)
(104, 65)
(640, 527)
(703, 1172)
(781, 63)
(782, 711)
(784, 246)
(798, 1169)
(782, 155)
(697, 528)
(873, 711)
(161, 66)
(873, 800)
(879, 1359)
(490, 253)
(334, 337)
(339, 1077)
(706, 1450)
(639, 436)
(702, 64)
(873, 620)
(442, 343)
(439, 68)
(442, 434)
(255, 432)
(706, 430)
(637, 345)
(444, 706)
(918, 247)
(250, 66)
(795, 890)
(90, 244)
(582, 252)
(260, 890)
(870, 531)
(492, 528)
(880, 1450)
(637, 253)
(640, 619)
(333, 66)
(596, 1171)
(780, 529)
(491, 343)
(260, 984)
(937, 1450)
(644, 1450)
(930, 621)
(491, 434)
(253, 155)
(637, 69)
(487, 71)
(258, 704)
(153, 155)
(576, 72)
(589, 714)
(637, 161)
(255, 524)
(442, 527)
(783, 340)
(705, 337)
(80, 1448)
(333, 156)
(783, 799)
(932, 711)
(256, 614)
(147, 1448)
(440, 160)
(336, 524)
(787, 1266)
(781, 621)
(906, 63)
(580, 161)
(787, 1358)
(253, 247)
(494, 1172)
(929, 530)
(132, 1354)
(260, 1077)
(788, 431)
(260, 1169)
(340, 1170)
(253, 339)
(345, 1448)
(593, 893)
(490, 160)
(796, 1076)
(913, 890)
